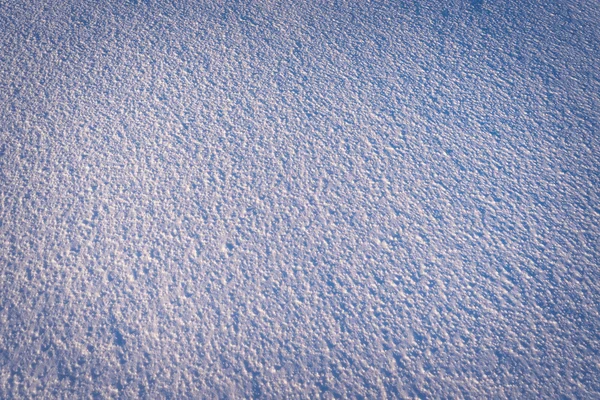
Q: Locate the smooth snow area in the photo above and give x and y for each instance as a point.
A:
(299, 199)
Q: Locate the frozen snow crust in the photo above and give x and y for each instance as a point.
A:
(287, 199)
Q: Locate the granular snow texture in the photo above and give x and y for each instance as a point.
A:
(299, 199)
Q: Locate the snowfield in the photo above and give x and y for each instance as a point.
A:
(299, 199)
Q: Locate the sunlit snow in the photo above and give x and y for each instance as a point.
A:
(299, 199)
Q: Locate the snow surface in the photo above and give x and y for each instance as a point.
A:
(299, 199)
